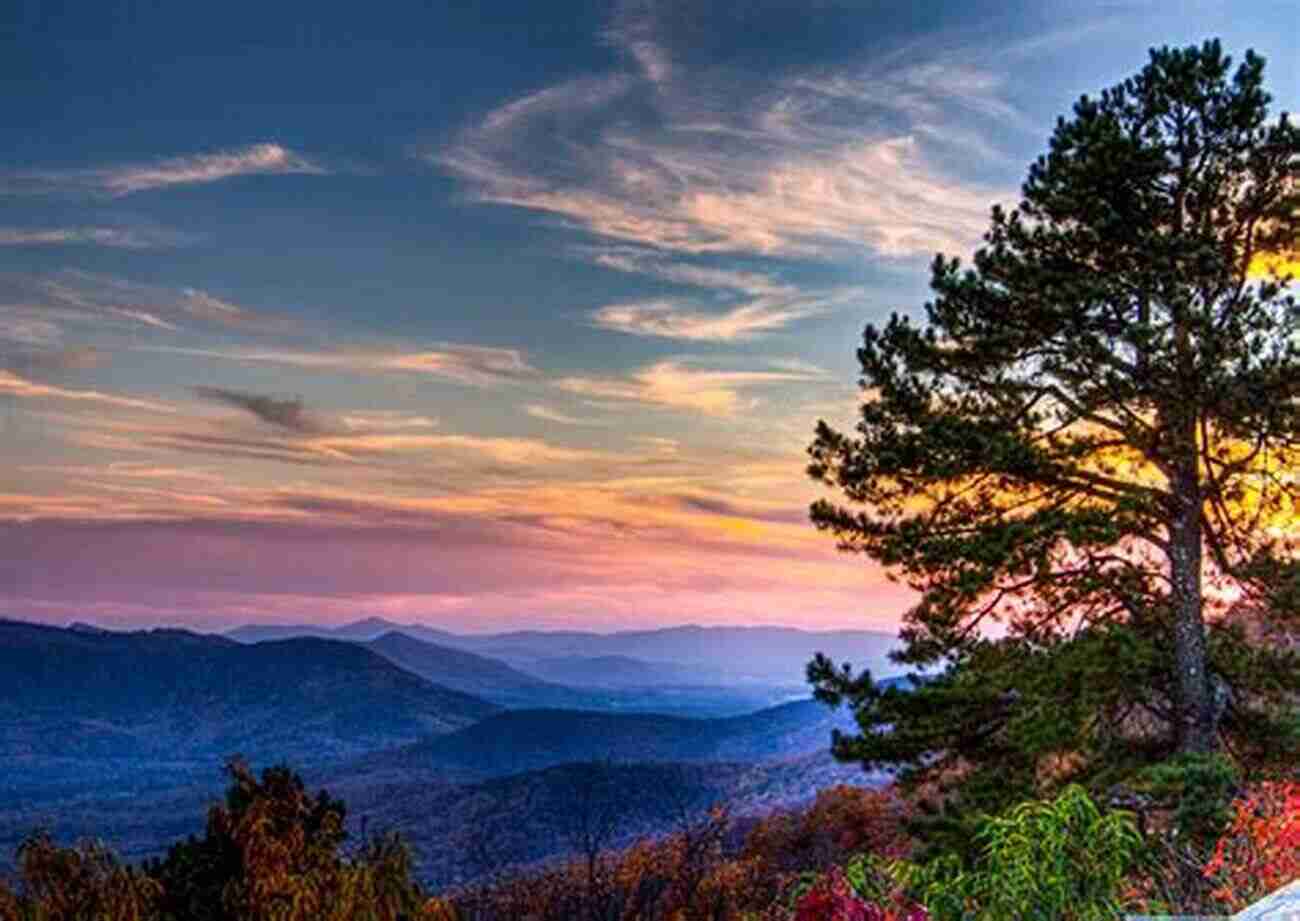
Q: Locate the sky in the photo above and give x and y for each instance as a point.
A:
(490, 315)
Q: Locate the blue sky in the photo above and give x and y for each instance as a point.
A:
(489, 315)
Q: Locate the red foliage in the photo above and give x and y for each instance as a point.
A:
(832, 899)
(1260, 851)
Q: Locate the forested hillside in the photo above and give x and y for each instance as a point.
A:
(77, 705)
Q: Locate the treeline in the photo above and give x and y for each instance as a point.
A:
(274, 850)
(1196, 841)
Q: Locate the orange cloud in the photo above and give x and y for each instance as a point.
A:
(463, 364)
(14, 385)
(672, 385)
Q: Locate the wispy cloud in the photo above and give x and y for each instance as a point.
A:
(698, 158)
(113, 237)
(673, 385)
(13, 385)
(671, 320)
(470, 365)
(633, 31)
(27, 328)
(471, 455)
(668, 447)
(753, 303)
(547, 414)
(89, 298)
(210, 309)
(128, 178)
(385, 420)
(515, 452)
(70, 358)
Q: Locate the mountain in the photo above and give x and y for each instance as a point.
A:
(473, 674)
(614, 683)
(362, 631)
(615, 671)
(261, 633)
(772, 655)
(768, 655)
(460, 833)
(82, 699)
(525, 740)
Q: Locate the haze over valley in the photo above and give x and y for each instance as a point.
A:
(118, 735)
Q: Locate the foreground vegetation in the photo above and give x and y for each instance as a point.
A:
(272, 851)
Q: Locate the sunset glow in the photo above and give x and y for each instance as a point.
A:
(489, 322)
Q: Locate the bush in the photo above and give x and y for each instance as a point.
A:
(1059, 860)
(1260, 851)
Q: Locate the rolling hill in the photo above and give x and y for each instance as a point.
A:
(765, 655)
(527, 740)
(622, 687)
(72, 700)
(618, 671)
(460, 833)
(473, 674)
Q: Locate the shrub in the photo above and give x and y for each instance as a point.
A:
(1260, 851)
(1059, 860)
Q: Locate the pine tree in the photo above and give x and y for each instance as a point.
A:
(1088, 447)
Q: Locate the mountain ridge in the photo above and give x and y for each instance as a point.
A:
(151, 694)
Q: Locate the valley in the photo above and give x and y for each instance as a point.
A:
(476, 760)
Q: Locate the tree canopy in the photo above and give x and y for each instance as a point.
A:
(1087, 451)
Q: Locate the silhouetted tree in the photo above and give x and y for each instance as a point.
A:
(1099, 416)
(588, 816)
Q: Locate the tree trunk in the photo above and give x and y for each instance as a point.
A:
(1197, 732)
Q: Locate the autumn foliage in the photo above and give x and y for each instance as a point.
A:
(271, 852)
(1260, 851)
(719, 869)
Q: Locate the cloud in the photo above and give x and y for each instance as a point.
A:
(207, 308)
(13, 385)
(464, 364)
(285, 414)
(696, 157)
(72, 358)
(475, 454)
(759, 303)
(27, 329)
(293, 434)
(879, 193)
(634, 32)
(547, 414)
(129, 178)
(671, 320)
(74, 296)
(114, 237)
(512, 452)
(672, 385)
(668, 447)
(384, 420)
(799, 366)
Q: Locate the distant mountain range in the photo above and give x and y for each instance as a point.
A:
(669, 656)
(169, 694)
(528, 740)
(470, 673)
(617, 671)
(121, 735)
